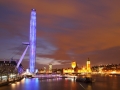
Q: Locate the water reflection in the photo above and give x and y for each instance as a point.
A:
(32, 84)
(89, 87)
(23, 81)
(102, 83)
(17, 83)
(13, 85)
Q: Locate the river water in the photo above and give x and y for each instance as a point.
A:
(101, 83)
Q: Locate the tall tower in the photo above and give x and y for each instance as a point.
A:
(32, 41)
(88, 66)
(50, 68)
(73, 64)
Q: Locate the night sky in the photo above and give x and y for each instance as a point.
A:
(67, 30)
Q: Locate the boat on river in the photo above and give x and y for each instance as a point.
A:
(85, 79)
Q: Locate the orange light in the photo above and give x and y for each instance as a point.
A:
(73, 65)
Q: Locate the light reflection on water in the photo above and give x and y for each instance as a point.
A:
(31, 84)
(89, 87)
(102, 83)
(13, 85)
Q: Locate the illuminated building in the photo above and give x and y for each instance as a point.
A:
(73, 65)
(75, 69)
(44, 69)
(68, 71)
(8, 71)
(32, 41)
(88, 66)
(9, 67)
(50, 68)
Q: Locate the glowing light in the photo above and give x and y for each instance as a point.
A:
(4, 76)
(73, 64)
(113, 72)
(18, 83)
(23, 81)
(50, 68)
(13, 85)
(36, 70)
(68, 71)
(27, 70)
(32, 40)
(88, 66)
(12, 75)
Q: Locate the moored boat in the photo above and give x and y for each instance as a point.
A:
(85, 79)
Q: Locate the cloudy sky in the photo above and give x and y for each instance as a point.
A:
(67, 30)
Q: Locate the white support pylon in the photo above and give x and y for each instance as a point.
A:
(22, 57)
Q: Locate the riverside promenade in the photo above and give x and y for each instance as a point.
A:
(7, 82)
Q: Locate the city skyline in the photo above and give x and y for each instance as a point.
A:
(66, 31)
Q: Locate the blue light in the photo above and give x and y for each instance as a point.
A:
(32, 41)
(32, 84)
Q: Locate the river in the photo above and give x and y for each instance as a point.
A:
(102, 83)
